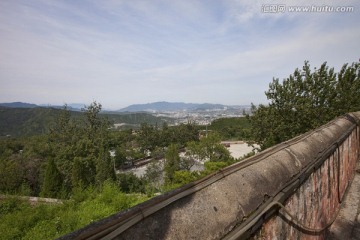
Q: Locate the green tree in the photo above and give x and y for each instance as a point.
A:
(303, 101)
(235, 128)
(120, 157)
(81, 147)
(188, 132)
(183, 177)
(153, 175)
(104, 168)
(158, 153)
(64, 140)
(208, 149)
(52, 184)
(11, 175)
(93, 122)
(83, 172)
(166, 136)
(348, 84)
(148, 137)
(130, 183)
(180, 134)
(172, 162)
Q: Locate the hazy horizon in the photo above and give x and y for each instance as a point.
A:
(135, 52)
(81, 105)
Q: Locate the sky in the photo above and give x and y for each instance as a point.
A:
(123, 52)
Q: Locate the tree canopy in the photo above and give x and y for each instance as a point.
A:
(305, 100)
(81, 148)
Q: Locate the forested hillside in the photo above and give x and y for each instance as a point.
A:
(26, 121)
(34, 121)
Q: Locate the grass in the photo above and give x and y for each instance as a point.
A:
(20, 220)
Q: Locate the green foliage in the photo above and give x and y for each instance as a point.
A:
(172, 162)
(183, 177)
(20, 164)
(78, 144)
(305, 100)
(152, 137)
(82, 148)
(194, 151)
(118, 138)
(120, 157)
(9, 146)
(182, 134)
(211, 167)
(153, 176)
(126, 148)
(134, 119)
(214, 166)
(10, 175)
(82, 172)
(8, 205)
(148, 137)
(20, 220)
(26, 121)
(186, 162)
(208, 148)
(19, 122)
(130, 183)
(158, 153)
(52, 182)
(231, 128)
(104, 169)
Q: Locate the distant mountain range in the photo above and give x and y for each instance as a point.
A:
(18, 105)
(172, 107)
(148, 107)
(71, 106)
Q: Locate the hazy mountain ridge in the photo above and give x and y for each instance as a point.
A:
(162, 106)
(21, 121)
(172, 107)
(18, 105)
(71, 106)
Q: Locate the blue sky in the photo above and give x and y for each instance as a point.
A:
(122, 52)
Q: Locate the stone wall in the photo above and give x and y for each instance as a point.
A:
(315, 203)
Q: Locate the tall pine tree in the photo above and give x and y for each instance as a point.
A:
(52, 184)
(305, 100)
